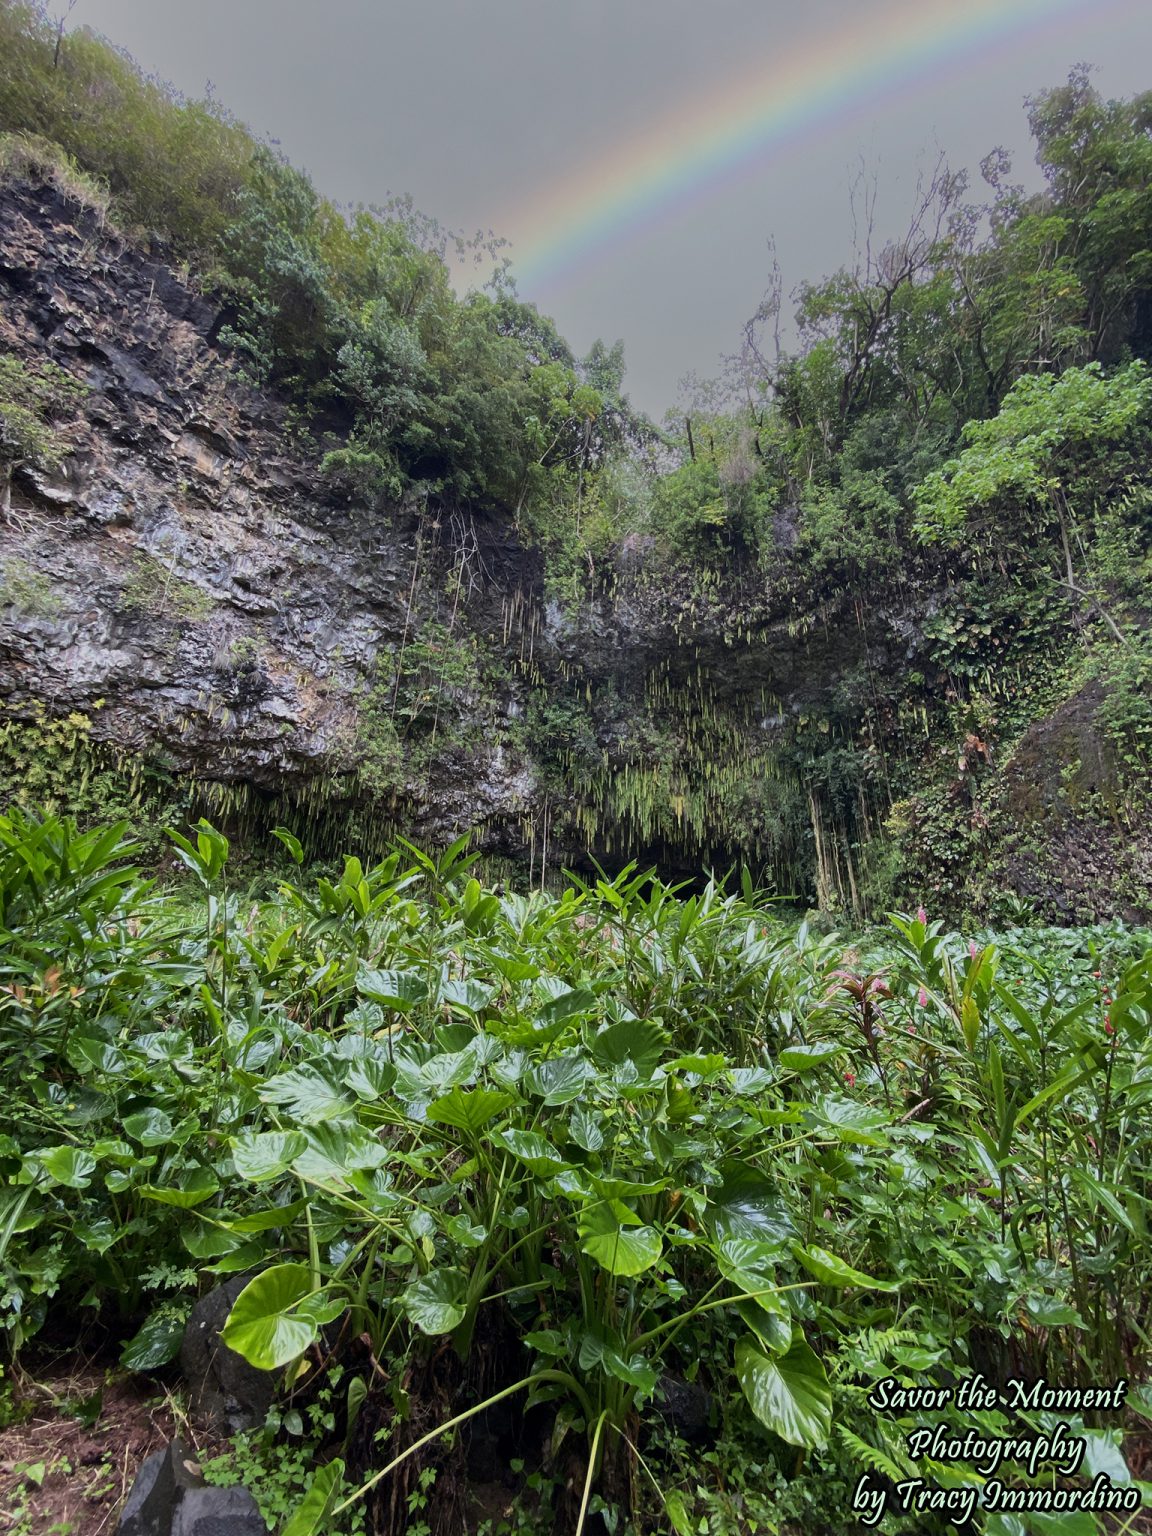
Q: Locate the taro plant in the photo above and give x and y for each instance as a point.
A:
(520, 1138)
(611, 1142)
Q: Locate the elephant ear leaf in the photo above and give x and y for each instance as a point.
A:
(269, 1324)
(789, 1394)
(437, 1302)
(615, 1237)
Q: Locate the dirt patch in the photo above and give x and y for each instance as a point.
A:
(80, 1436)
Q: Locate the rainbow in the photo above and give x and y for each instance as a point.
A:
(700, 146)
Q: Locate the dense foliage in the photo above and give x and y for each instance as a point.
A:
(960, 434)
(952, 452)
(591, 1148)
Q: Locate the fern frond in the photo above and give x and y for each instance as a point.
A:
(874, 1459)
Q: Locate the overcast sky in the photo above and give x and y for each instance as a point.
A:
(481, 109)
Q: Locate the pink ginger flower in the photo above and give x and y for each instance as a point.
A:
(922, 997)
(921, 915)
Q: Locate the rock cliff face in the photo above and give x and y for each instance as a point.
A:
(188, 589)
(182, 580)
(182, 533)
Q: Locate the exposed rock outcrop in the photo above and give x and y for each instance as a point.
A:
(192, 571)
(184, 580)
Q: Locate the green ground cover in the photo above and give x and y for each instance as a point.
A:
(575, 1154)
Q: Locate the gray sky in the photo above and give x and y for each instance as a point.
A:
(489, 111)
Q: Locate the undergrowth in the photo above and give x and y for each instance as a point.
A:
(538, 1169)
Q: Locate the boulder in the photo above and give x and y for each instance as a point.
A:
(158, 1491)
(218, 1512)
(223, 1388)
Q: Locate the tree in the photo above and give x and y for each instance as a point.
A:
(1097, 160)
(1027, 473)
(864, 311)
(292, 315)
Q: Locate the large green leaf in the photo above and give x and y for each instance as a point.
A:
(703, 1068)
(87, 1051)
(157, 1341)
(1051, 1312)
(676, 1508)
(464, 1233)
(565, 1004)
(99, 1235)
(271, 1216)
(370, 1078)
(240, 1261)
(309, 1094)
(586, 1129)
(205, 1241)
(613, 1236)
(749, 1205)
(150, 1127)
(266, 1154)
(789, 1393)
(802, 1058)
(469, 996)
(67, 1165)
(830, 1270)
(852, 1122)
(625, 1189)
(449, 1069)
(291, 842)
(437, 1302)
(333, 1153)
(532, 1149)
(1068, 1522)
(469, 1110)
(167, 1045)
(515, 968)
(268, 1324)
(637, 1041)
(394, 989)
(195, 1185)
(751, 1082)
(771, 1322)
(559, 1079)
(1103, 1456)
(748, 1264)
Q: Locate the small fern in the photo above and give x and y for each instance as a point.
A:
(870, 1350)
(868, 1455)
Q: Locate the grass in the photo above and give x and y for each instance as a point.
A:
(26, 157)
